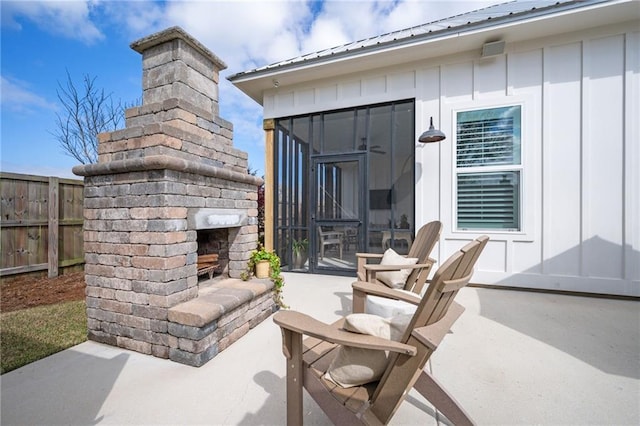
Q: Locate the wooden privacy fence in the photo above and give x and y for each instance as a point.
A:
(40, 224)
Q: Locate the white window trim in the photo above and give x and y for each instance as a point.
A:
(527, 171)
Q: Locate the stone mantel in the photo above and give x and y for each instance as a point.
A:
(164, 162)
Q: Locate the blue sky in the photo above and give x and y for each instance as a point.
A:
(42, 41)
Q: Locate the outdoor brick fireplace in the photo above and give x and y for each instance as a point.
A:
(168, 187)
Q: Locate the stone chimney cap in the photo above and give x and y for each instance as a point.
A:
(173, 33)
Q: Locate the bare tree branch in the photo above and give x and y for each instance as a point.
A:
(86, 114)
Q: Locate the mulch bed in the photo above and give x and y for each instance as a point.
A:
(28, 291)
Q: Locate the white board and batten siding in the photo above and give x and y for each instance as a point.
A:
(580, 97)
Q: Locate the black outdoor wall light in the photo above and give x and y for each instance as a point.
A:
(432, 135)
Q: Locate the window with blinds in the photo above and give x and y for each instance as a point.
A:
(488, 166)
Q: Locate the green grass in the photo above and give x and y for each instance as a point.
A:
(31, 334)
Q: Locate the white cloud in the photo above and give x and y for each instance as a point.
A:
(240, 32)
(70, 19)
(134, 18)
(326, 31)
(342, 22)
(17, 97)
(353, 20)
(411, 13)
(250, 34)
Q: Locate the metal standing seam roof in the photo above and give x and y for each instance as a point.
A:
(485, 17)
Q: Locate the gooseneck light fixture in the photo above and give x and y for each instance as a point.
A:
(432, 135)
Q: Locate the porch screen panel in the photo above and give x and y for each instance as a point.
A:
(300, 155)
(382, 138)
(291, 163)
(338, 192)
(280, 165)
(380, 177)
(338, 132)
(403, 170)
(391, 145)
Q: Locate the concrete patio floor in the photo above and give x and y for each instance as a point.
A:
(514, 358)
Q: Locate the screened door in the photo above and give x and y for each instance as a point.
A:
(338, 212)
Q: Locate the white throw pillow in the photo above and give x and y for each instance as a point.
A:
(391, 328)
(385, 307)
(357, 366)
(398, 278)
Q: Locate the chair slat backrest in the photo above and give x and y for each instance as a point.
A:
(443, 288)
(426, 239)
(403, 370)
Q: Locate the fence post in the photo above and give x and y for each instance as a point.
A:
(53, 226)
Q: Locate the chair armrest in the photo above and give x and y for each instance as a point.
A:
(382, 268)
(362, 259)
(432, 334)
(300, 323)
(369, 255)
(384, 291)
(332, 234)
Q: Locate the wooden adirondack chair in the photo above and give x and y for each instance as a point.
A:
(330, 238)
(377, 402)
(426, 238)
(421, 248)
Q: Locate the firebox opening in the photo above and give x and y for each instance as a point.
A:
(213, 252)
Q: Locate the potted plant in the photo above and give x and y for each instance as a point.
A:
(404, 222)
(260, 258)
(299, 250)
